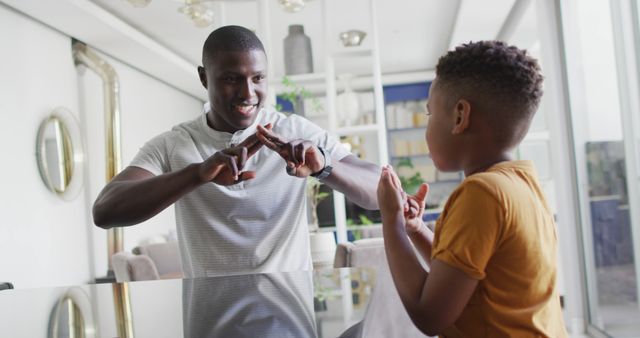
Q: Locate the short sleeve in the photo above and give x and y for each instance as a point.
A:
(153, 155)
(321, 138)
(467, 235)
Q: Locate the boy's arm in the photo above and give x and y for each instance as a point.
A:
(433, 300)
(421, 236)
(135, 194)
(422, 239)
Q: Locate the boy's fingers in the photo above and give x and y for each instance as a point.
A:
(421, 194)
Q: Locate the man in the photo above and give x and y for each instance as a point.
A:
(237, 209)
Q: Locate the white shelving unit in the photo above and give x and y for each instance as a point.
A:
(335, 59)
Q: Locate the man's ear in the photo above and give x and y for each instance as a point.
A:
(203, 76)
(462, 115)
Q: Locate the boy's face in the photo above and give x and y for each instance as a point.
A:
(237, 87)
(439, 136)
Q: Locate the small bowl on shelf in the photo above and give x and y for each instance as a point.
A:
(352, 38)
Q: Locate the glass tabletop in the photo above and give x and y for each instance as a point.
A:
(344, 302)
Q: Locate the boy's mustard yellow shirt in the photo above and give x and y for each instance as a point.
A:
(497, 228)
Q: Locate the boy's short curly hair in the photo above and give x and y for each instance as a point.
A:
(505, 78)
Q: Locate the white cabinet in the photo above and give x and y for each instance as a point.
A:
(365, 130)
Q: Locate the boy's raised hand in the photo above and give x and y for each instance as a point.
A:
(225, 166)
(391, 198)
(416, 204)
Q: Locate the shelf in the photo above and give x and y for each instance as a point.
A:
(353, 53)
(361, 129)
(410, 156)
(398, 130)
(428, 214)
(300, 79)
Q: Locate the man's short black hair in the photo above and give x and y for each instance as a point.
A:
(504, 80)
(230, 38)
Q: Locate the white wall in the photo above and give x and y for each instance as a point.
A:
(148, 107)
(45, 241)
(38, 75)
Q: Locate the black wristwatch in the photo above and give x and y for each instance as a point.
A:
(326, 171)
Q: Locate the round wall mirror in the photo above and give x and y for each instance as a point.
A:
(59, 153)
(72, 316)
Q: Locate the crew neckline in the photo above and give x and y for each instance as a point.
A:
(235, 137)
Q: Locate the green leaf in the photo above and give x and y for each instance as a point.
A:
(405, 162)
(321, 196)
(365, 220)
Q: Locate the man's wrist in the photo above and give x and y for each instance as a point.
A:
(326, 169)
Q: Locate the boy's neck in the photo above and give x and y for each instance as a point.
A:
(482, 162)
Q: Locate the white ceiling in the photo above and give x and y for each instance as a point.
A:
(163, 42)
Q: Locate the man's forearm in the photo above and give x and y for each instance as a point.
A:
(357, 180)
(125, 202)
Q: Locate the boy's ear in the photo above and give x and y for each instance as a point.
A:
(462, 116)
(203, 76)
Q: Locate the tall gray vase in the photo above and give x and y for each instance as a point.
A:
(297, 52)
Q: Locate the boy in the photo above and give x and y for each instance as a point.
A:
(493, 255)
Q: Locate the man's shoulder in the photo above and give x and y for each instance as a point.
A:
(187, 126)
(293, 125)
(176, 134)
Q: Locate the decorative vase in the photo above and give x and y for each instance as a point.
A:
(347, 102)
(323, 248)
(297, 52)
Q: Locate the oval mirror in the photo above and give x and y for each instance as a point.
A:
(59, 153)
(72, 316)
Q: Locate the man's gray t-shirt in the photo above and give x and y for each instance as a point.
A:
(255, 226)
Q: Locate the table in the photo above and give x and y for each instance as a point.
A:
(348, 302)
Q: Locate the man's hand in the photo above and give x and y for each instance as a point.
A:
(303, 158)
(225, 166)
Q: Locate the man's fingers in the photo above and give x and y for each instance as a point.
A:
(239, 155)
(271, 136)
(254, 148)
(299, 152)
(268, 143)
(291, 170)
(246, 175)
(242, 158)
(230, 162)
